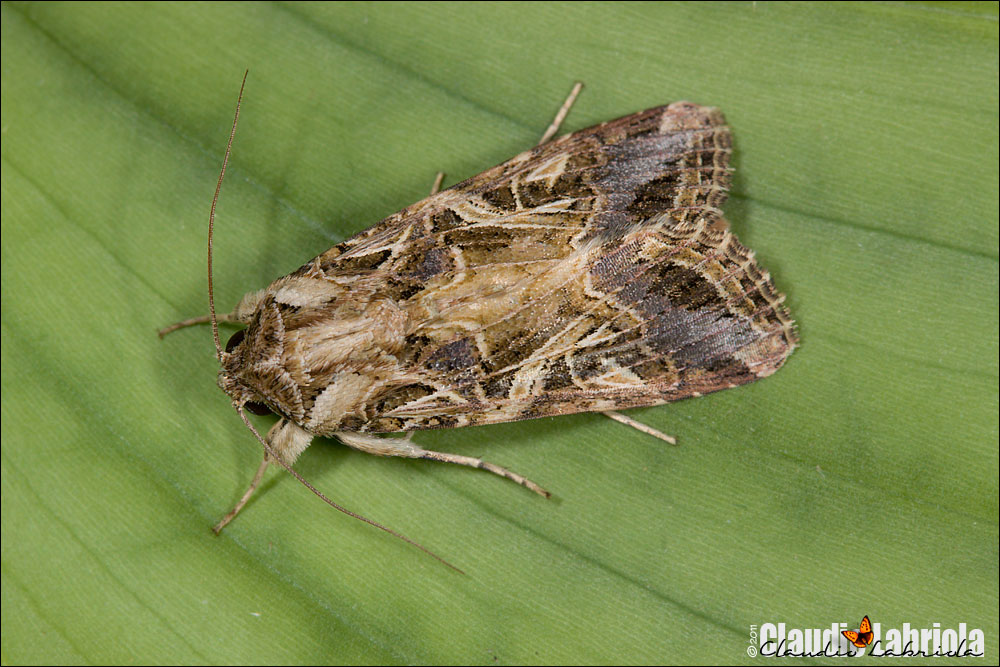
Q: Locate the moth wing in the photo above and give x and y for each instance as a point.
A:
(649, 320)
(591, 273)
(541, 205)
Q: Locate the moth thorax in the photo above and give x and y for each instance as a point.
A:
(389, 323)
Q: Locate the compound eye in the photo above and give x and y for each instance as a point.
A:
(257, 408)
(235, 340)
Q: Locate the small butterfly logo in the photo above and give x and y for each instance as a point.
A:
(863, 637)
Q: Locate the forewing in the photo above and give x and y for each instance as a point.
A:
(591, 273)
(669, 162)
(652, 317)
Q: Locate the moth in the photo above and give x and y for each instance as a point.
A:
(592, 273)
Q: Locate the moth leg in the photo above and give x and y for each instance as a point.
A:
(288, 440)
(549, 133)
(406, 448)
(561, 114)
(437, 183)
(639, 426)
(242, 313)
(246, 496)
(202, 319)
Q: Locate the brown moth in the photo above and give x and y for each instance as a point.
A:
(594, 272)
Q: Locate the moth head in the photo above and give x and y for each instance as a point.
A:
(229, 379)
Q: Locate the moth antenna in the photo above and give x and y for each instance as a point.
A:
(211, 223)
(272, 454)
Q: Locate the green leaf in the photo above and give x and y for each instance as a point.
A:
(861, 479)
